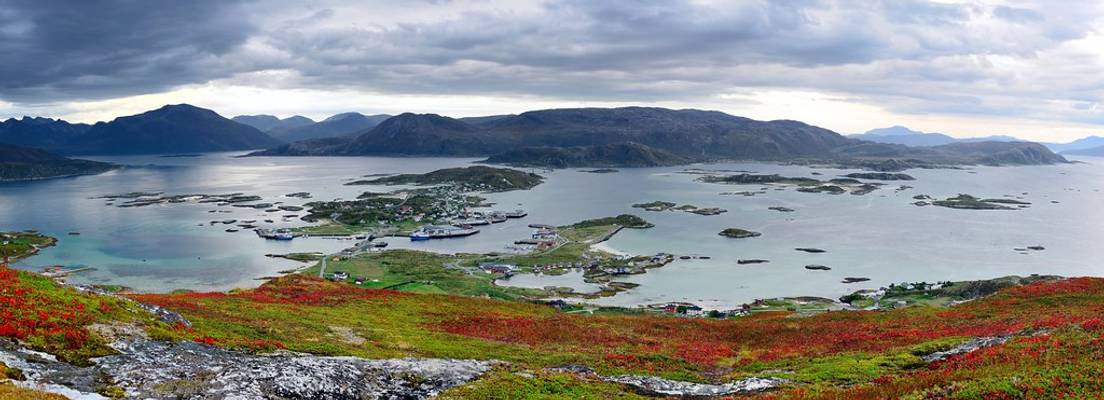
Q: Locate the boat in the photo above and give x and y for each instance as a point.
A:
(471, 221)
(275, 234)
(231, 230)
(497, 217)
(441, 232)
(519, 213)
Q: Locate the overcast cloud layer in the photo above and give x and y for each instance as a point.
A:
(982, 65)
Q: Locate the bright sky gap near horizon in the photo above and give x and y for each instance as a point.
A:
(964, 68)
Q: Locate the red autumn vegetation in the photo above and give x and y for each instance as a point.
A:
(706, 342)
(1060, 353)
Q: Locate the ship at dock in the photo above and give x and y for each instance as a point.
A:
(275, 234)
(442, 232)
(479, 218)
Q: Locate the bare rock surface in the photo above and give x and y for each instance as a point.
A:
(666, 387)
(161, 370)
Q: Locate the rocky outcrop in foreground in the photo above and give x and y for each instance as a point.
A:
(160, 370)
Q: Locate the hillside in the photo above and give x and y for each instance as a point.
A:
(475, 178)
(338, 125)
(629, 136)
(896, 157)
(1002, 345)
(611, 155)
(422, 134)
(170, 129)
(44, 133)
(1002, 153)
(19, 163)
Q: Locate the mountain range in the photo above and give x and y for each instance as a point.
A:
(608, 155)
(39, 132)
(627, 136)
(643, 136)
(169, 129)
(1087, 146)
(297, 128)
(25, 163)
(902, 135)
(269, 123)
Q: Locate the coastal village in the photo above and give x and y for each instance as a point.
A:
(446, 203)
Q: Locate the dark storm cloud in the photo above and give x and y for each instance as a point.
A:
(95, 49)
(905, 55)
(674, 50)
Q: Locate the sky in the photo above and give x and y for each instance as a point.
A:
(1032, 69)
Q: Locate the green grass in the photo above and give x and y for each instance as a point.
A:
(422, 272)
(328, 228)
(506, 385)
(566, 254)
(17, 245)
(303, 257)
(625, 220)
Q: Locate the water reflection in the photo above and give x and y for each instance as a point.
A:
(880, 235)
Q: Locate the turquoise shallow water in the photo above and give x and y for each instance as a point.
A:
(880, 235)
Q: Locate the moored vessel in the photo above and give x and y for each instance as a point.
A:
(442, 232)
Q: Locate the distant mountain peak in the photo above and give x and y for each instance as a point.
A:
(896, 130)
(298, 118)
(341, 116)
(181, 107)
(173, 128)
(413, 122)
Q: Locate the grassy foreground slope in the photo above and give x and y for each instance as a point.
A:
(833, 355)
(1057, 350)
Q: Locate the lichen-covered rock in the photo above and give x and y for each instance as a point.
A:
(666, 387)
(161, 370)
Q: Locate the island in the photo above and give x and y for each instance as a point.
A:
(143, 199)
(968, 202)
(468, 179)
(669, 206)
(737, 233)
(881, 176)
(551, 251)
(15, 246)
(19, 163)
(398, 212)
(801, 184)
